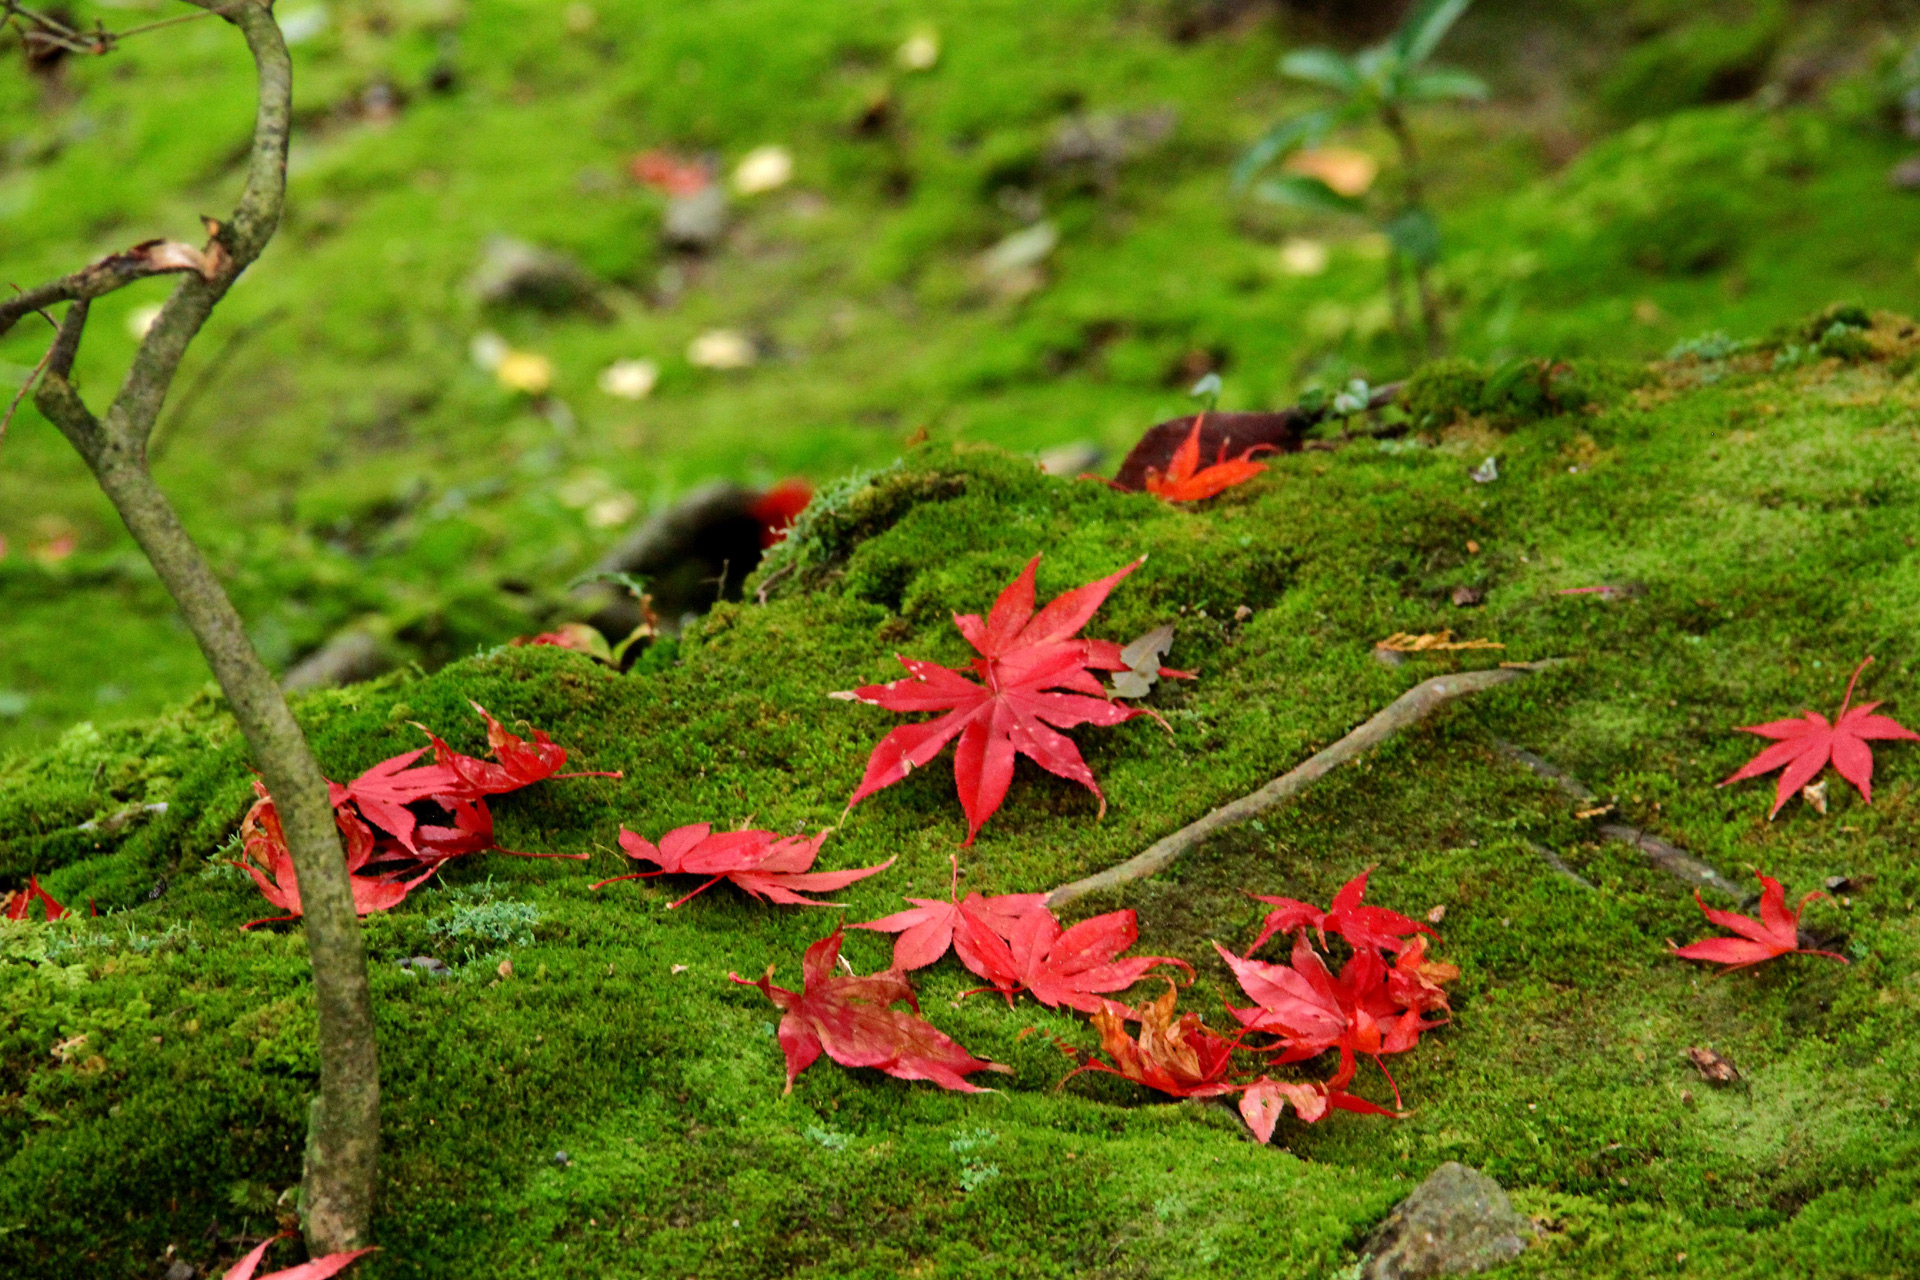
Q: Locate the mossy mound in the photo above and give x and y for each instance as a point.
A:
(1764, 517)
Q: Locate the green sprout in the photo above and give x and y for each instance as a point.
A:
(1381, 84)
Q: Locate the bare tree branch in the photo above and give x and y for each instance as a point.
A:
(343, 1131)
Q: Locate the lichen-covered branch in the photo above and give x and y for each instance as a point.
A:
(343, 1139)
(1410, 708)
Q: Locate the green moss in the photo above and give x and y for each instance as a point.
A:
(618, 1039)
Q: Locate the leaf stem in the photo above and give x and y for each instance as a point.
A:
(1850, 683)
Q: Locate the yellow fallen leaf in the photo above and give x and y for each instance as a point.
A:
(524, 371)
(1431, 642)
(1347, 171)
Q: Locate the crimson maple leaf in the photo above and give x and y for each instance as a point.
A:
(1775, 933)
(16, 903)
(519, 763)
(265, 857)
(1808, 742)
(1361, 926)
(977, 928)
(852, 1019)
(1264, 1100)
(1177, 1056)
(317, 1269)
(1025, 660)
(383, 793)
(762, 864)
(1078, 966)
(1311, 1010)
(1187, 481)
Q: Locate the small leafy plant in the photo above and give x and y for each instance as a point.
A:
(1379, 84)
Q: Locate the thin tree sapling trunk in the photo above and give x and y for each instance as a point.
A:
(343, 1136)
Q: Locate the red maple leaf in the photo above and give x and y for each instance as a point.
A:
(1264, 1100)
(316, 1269)
(16, 903)
(977, 928)
(1809, 742)
(1360, 1012)
(520, 763)
(1187, 481)
(265, 857)
(1179, 1056)
(669, 174)
(1023, 656)
(1775, 933)
(382, 793)
(1079, 966)
(759, 862)
(852, 1019)
(1361, 926)
(777, 508)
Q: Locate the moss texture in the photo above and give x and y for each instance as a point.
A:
(1765, 514)
(333, 444)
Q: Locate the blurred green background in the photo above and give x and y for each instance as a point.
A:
(1005, 223)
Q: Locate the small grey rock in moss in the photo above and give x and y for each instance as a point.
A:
(1457, 1222)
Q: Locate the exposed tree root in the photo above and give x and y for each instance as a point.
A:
(1669, 858)
(1410, 708)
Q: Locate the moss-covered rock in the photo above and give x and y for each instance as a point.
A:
(155, 1062)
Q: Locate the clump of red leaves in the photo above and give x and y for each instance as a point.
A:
(760, 863)
(1371, 1008)
(1806, 743)
(852, 1020)
(14, 906)
(1776, 933)
(401, 820)
(1035, 678)
(1014, 944)
(1187, 481)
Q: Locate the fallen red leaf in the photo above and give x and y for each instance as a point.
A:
(382, 793)
(977, 928)
(1775, 933)
(1809, 742)
(1179, 1056)
(669, 174)
(265, 857)
(1187, 481)
(520, 763)
(1079, 966)
(852, 1019)
(1361, 926)
(759, 862)
(1368, 1009)
(17, 902)
(1023, 655)
(316, 1269)
(778, 507)
(1264, 1099)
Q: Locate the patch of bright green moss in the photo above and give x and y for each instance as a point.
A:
(1763, 516)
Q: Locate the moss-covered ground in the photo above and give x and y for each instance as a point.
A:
(336, 447)
(1768, 515)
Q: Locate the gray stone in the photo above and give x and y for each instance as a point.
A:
(513, 273)
(1905, 176)
(1456, 1222)
(698, 221)
(348, 657)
